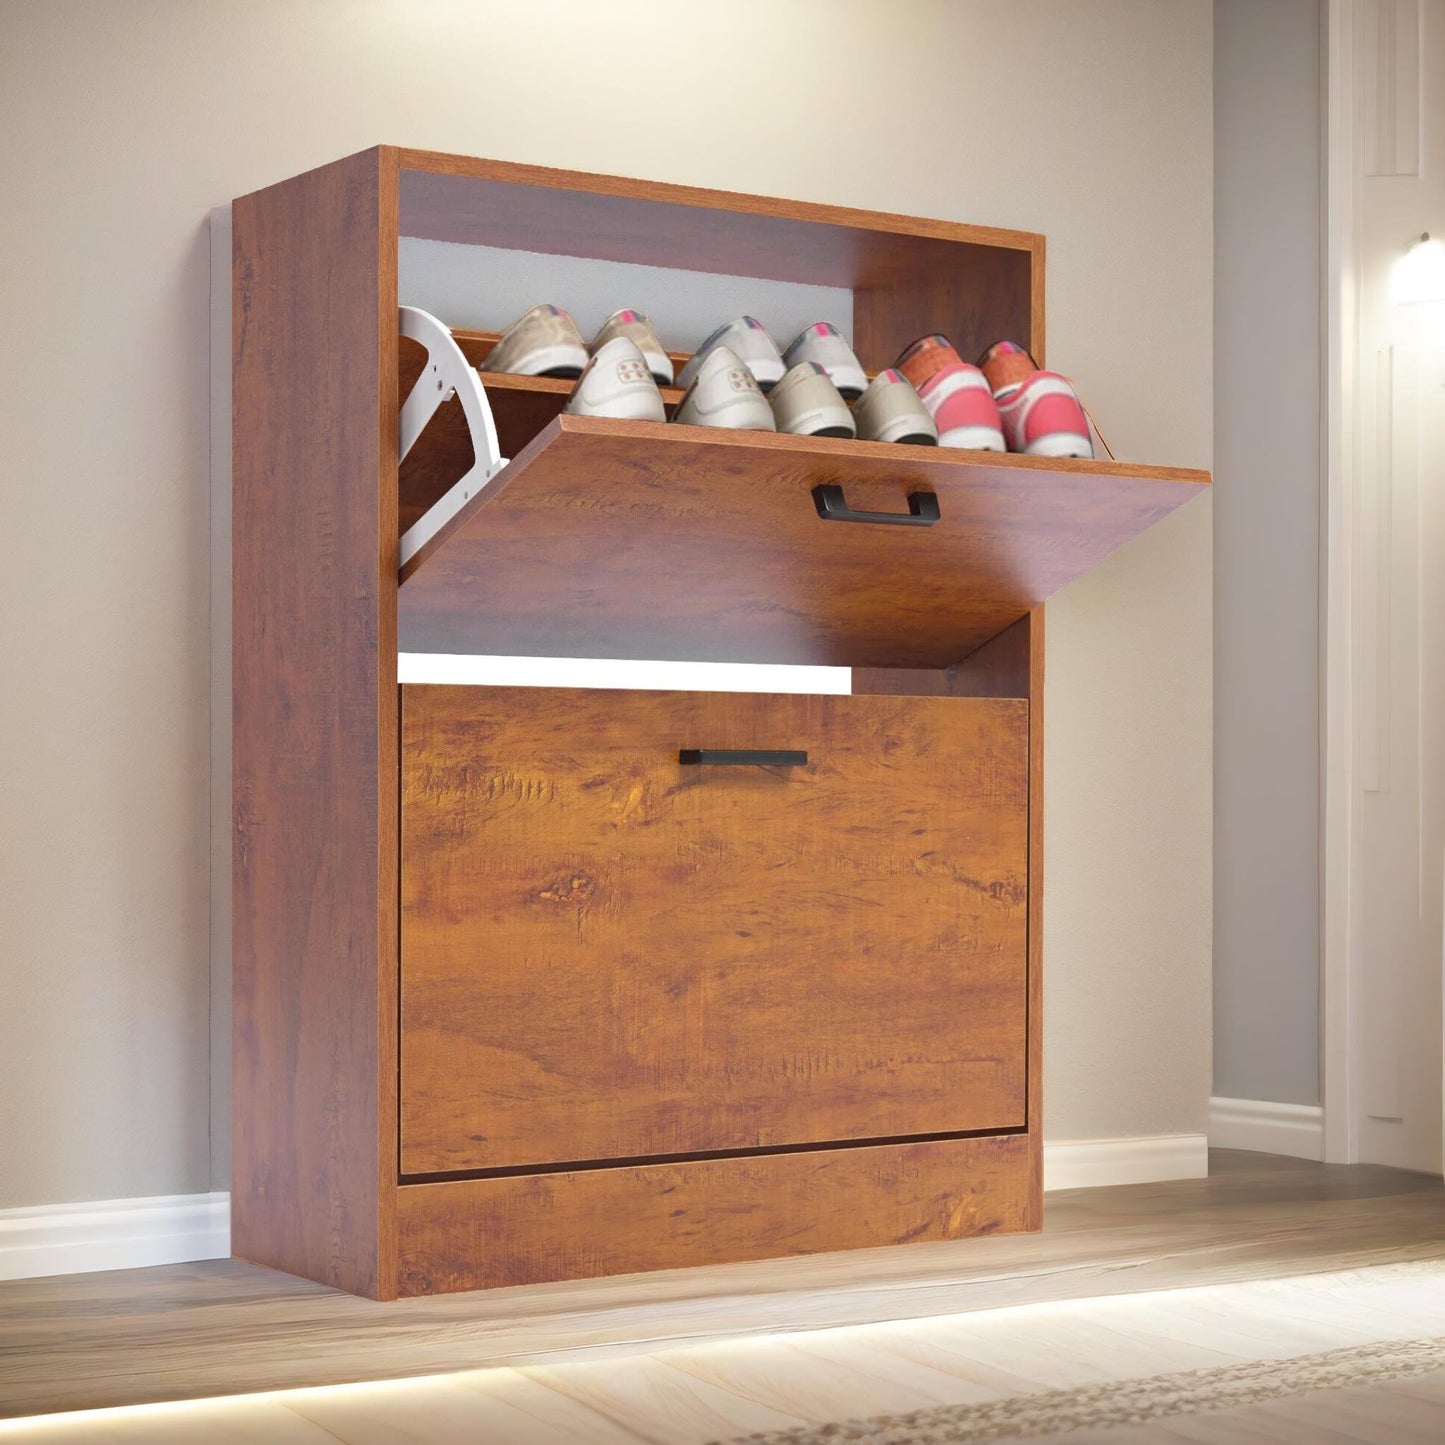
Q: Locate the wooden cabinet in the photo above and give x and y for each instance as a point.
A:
(518, 993)
(607, 953)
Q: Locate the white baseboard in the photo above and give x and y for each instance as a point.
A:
(175, 1228)
(1294, 1129)
(1090, 1163)
(113, 1234)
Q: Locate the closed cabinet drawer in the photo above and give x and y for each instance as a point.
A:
(608, 953)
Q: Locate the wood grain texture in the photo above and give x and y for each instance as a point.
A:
(980, 298)
(1008, 665)
(529, 1229)
(315, 726)
(607, 954)
(637, 539)
(1347, 1358)
(910, 275)
(224, 1327)
(1036, 653)
(1000, 668)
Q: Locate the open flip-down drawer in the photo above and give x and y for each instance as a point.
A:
(606, 538)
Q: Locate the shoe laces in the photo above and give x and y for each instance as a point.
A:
(1090, 415)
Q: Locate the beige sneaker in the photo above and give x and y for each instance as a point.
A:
(806, 403)
(637, 327)
(725, 393)
(541, 342)
(890, 411)
(824, 343)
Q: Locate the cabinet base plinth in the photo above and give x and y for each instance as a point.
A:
(470, 1234)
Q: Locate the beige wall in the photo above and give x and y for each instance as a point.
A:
(123, 124)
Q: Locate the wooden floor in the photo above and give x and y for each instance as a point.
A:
(222, 1328)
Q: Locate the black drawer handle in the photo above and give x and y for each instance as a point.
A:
(742, 758)
(833, 507)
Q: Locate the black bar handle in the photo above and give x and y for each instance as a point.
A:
(743, 758)
(833, 507)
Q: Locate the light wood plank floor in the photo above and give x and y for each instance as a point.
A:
(701, 1393)
(222, 1328)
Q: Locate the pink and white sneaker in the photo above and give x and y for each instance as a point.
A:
(963, 409)
(926, 357)
(1043, 417)
(1007, 366)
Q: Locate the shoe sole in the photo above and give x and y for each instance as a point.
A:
(903, 430)
(973, 439)
(559, 361)
(846, 432)
(733, 418)
(627, 408)
(661, 374)
(850, 382)
(820, 422)
(1061, 444)
(852, 385)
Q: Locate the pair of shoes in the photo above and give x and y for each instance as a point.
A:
(1040, 411)
(1005, 403)
(725, 391)
(804, 402)
(545, 341)
(821, 344)
(808, 387)
(956, 395)
(805, 386)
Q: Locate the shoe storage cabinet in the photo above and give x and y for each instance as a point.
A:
(520, 993)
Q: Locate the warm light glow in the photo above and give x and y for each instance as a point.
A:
(207, 1410)
(1420, 273)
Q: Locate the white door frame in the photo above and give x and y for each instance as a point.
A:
(1371, 569)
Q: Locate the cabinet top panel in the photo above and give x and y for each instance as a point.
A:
(538, 208)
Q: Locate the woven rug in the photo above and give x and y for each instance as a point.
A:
(1061, 1413)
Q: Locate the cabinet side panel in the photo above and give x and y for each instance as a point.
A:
(986, 296)
(315, 723)
(1036, 919)
(1008, 665)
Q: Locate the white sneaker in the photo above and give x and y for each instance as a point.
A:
(725, 393)
(617, 382)
(637, 327)
(823, 342)
(544, 341)
(806, 403)
(747, 339)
